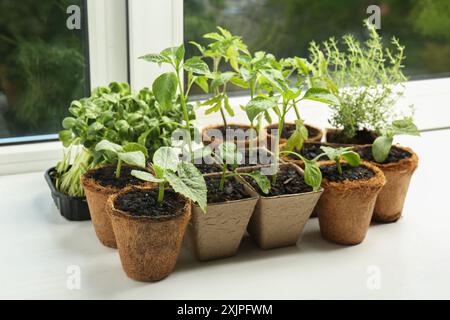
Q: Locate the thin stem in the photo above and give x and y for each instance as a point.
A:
(183, 99)
(224, 119)
(222, 179)
(338, 165)
(119, 168)
(297, 113)
(161, 192)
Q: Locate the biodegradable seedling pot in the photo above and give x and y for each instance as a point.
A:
(345, 208)
(390, 201)
(97, 196)
(148, 246)
(218, 233)
(71, 208)
(362, 137)
(315, 134)
(278, 221)
(210, 139)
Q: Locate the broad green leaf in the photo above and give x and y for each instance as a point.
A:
(258, 105)
(261, 180)
(352, 158)
(145, 176)
(196, 65)
(221, 79)
(165, 89)
(313, 175)
(381, 148)
(134, 158)
(275, 77)
(68, 122)
(321, 95)
(331, 153)
(106, 145)
(155, 58)
(202, 82)
(66, 137)
(179, 54)
(189, 182)
(166, 158)
(133, 146)
(239, 82)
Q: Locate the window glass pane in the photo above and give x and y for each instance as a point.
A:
(285, 27)
(42, 65)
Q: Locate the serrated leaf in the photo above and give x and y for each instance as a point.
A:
(166, 158)
(189, 182)
(165, 89)
(134, 158)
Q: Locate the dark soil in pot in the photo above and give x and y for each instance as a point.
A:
(346, 206)
(149, 235)
(314, 134)
(99, 184)
(218, 233)
(309, 151)
(398, 170)
(281, 215)
(233, 190)
(361, 137)
(207, 166)
(289, 181)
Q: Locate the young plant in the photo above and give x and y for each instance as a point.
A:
(183, 177)
(382, 145)
(313, 175)
(132, 154)
(228, 154)
(167, 85)
(366, 77)
(339, 154)
(224, 47)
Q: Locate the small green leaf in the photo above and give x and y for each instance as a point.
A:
(66, 137)
(352, 158)
(381, 148)
(227, 106)
(179, 54)
(155, 58)
(321, 95)
(69, 122)
(261, 180)
(166, 158)
(196, 65)
(134, 158)
(190, 183)
(145, 176)
(106, 145)
(133, 146)
(202, 82)
(313, 175)
(299, 136)
(257, 105)
(405, 127)
(165, 89)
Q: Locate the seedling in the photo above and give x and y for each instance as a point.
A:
(183, 177)
(224, 47)
(382, 145)
(340, 154)
(133, 154)
(166, 86)
(228, 154)
(312, 174)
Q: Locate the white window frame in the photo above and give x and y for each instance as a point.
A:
(158, 24)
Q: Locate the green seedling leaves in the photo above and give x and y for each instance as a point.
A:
(381, 148)
(146, 176)
(321, 95)
(196, 65)
(258, 105)
(106, 145)
(66, 137)
(165, 89)
(133, 158)
(166, 158)
(261, 180)
(313, 175)
(338, 154)
(297, 138)
(133, 146)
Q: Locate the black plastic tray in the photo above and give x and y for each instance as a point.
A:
(71, 208)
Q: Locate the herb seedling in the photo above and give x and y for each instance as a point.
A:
(312, 173)
(224, 47)
(183, 177)
(382, 145)
(132, 154)
(339, 154)
(166, 86)
(228, 154)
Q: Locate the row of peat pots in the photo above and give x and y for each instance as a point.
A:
(149, 245)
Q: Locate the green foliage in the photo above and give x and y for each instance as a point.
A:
(312, 175)
(183, 177)
(366, 77)
(382, 145)
(339, 154)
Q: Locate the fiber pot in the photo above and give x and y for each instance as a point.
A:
(362, 137)
(148, 245)
(345, 208)
(315, 134)
(209, 139)
(71, 208)
(390, 201)
(218, 233)
(279, 221)
(97, 196)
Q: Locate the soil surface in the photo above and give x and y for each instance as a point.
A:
(255, 156)
(223, 130)
(289, 181)
(232, 190)
(208, 167)
(106, 177)
(330, 173)
(309, 151)
(395, 155)
(361, 137)
(289, 129)
(145, 203)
